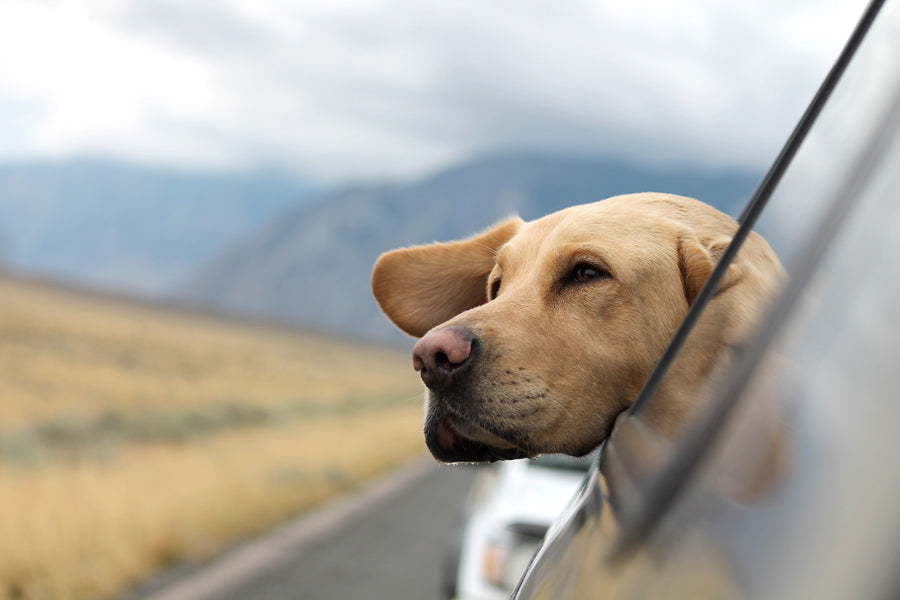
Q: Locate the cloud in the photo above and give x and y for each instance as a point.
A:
(347, 89)
(75, 84)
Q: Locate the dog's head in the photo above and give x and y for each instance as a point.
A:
(535, 336)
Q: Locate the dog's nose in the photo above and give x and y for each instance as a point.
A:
(440, 354)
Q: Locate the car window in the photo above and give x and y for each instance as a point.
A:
(825, 361)
(848, 164)
(792, 196)
(833, 154)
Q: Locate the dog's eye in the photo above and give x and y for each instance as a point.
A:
(495, 288)
(584, 272)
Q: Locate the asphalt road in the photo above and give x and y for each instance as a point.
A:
(386, 543)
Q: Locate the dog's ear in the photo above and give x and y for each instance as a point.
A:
(423, 286)
(698, 259)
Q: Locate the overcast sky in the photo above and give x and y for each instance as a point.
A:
(347, 89)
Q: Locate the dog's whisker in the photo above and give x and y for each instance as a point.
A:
(549, 396)
(490, 249)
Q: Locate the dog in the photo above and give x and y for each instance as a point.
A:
(534, 336)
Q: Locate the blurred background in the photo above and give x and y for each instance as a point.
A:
(193, 192)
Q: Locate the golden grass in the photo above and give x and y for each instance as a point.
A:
(88, 527)
(64, 352)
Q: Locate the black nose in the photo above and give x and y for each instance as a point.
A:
(441, 355)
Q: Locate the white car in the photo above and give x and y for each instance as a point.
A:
(508, 511)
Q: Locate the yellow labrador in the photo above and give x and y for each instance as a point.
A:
(536, 335)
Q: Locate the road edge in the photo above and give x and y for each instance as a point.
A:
(268, 551)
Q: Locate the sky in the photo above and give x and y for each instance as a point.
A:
(349, 90)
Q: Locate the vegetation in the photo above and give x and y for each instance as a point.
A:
(134, 437)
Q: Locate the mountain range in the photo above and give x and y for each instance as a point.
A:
(311, 265)
(267, 246)
(128, 228)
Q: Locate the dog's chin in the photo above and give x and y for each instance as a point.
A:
(454, 440)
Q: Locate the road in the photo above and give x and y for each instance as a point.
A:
(384, 543)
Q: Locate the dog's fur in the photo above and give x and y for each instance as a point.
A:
(567, 315)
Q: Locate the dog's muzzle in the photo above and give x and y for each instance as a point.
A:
(444, 359)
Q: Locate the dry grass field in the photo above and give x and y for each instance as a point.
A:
(134, 437)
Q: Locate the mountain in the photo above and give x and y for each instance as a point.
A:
(312, 265)
(128, 228)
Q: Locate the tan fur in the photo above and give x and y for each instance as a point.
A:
(423, 287)
(560, 360)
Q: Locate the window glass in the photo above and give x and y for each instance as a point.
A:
(814, 510)
(795, 210)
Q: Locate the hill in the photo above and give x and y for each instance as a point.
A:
(128, 228)
(312, 264)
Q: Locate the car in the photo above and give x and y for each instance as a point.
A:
(507, 513)
(786, 482)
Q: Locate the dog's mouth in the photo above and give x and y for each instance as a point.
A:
(453, 439)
